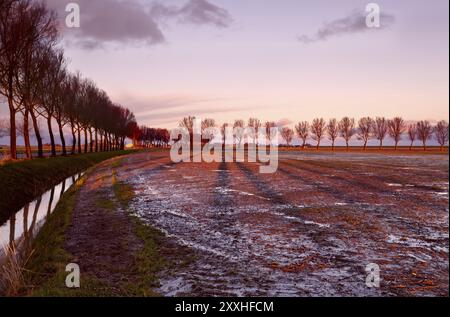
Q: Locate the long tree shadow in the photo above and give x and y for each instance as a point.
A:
(263, 187)
(320, 236)
(221, 196)
(356, 183)
(332, 191)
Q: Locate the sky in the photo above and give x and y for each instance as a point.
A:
(287, 60)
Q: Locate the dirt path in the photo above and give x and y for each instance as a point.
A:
(101, 237)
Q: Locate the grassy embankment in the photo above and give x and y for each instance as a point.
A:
(23, 181)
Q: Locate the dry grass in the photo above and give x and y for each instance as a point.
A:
(12, 269)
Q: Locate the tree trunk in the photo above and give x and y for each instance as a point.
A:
(63, 140)
(85, 140)
(91, 144)
(381, 144)
(74, 138)
(12, 231)
(96, 140)
(79, 138)
(37, 133)
(12, 130)
(52, 137)
(365, 145)
(12, 119)
(26, 135)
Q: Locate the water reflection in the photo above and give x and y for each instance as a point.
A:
(22, 227)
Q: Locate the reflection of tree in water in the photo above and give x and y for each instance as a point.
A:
(50, 201)
(28, 228)
(12, 230)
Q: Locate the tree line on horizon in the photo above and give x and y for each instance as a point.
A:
(365, 129)
(35, 82)
(146, 137)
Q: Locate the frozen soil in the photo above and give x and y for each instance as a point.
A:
(308, 230)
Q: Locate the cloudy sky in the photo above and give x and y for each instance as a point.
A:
(285, 59)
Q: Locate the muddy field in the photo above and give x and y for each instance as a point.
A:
(308, 230)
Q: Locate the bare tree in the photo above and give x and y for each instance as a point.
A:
(188, 124)
(269, 125)
(28, 87)
(380, 129)
(412, 134)
(24, 25)
(11, 43)
(223, 129)
(396, 128)
(424, 132)
(54, 76)
(73, 93)
(302, 129)
(239, 131)
(365, 126)
(347, 129)
(287, 134)
(318, 128)
(207, 124)
(333, 131)
(441, 133)
(42, 26)
(254, 124)
(62, 90)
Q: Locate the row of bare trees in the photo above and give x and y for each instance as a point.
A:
(36, 84)
(146, 137)
(347, 128)
(366, 129)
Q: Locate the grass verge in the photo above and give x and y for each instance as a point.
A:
(148, 261)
